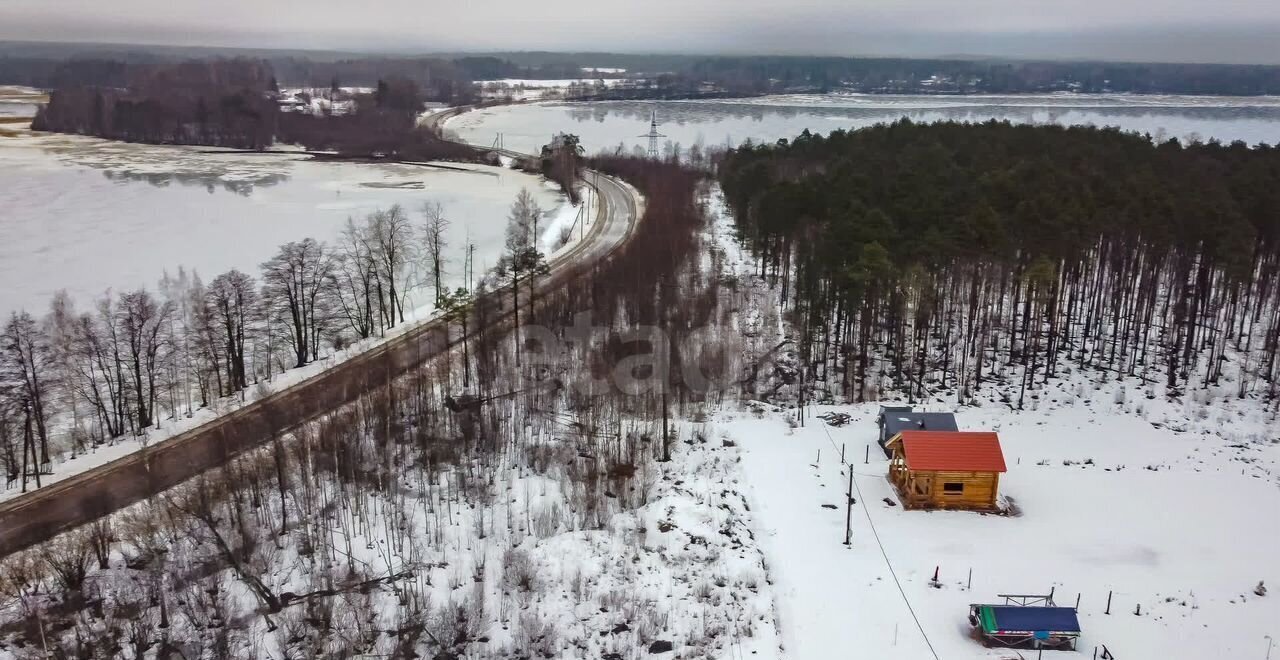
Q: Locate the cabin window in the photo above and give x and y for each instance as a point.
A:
(952, 487)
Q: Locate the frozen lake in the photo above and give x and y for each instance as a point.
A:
(86, 215)
(731, 121)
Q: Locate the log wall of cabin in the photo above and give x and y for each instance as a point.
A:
(979, 489)
(920, 489)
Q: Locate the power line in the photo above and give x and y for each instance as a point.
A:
(883, 552)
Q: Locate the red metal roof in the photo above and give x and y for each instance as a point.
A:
(960, 451)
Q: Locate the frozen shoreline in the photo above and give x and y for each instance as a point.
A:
(716, 122)
(86, 215)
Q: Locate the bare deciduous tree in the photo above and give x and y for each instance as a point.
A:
(25, 366)
(140, 320)
(391, 232)
(234, 300)
(434, 227)
(293, 282)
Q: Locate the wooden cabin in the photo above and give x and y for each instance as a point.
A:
(946, 469)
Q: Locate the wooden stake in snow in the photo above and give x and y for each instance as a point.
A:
(1108, 603)
(867, 458)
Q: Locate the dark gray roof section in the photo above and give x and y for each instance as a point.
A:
(895, 422)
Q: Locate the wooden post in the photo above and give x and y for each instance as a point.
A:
(848, 511)
(818, 460)
(1137, 610)
(867, 459)
(1077, 602)
(800, 413)
(842, 452)
(1095, 653)
(1108, 603)
(969, 585)
(936, 569)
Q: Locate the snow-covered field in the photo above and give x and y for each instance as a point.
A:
(18, 102)
(533, 89)
(87, 215)
(717, 122)
(537, 83)
(1184, 525)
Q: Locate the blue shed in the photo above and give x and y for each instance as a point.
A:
(1029, 626)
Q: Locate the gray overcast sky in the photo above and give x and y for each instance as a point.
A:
(1170, 30)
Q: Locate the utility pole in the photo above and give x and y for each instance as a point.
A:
(848, 510)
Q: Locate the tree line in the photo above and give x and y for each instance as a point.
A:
(443, 80)
(209, 102)
(235, 103)
(77, 378)
(760, 74)
(937, 257)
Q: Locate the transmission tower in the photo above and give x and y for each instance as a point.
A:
(653, 135)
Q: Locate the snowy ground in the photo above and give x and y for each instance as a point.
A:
(514, 553)
(534, 89)
(1182, 524)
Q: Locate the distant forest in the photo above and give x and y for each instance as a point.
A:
(448, 78)
(766, 74)
(760, 75)
(933, 257)
(233, 103)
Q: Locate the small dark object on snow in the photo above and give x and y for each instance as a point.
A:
(828, 506)
(1261, 589)
(660, 646)
(620, 628)
(889, 502)
(835, 418)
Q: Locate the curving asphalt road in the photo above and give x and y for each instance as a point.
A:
(42, 514)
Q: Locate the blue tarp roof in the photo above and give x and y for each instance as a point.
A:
(1032, 619)
(895, 422)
